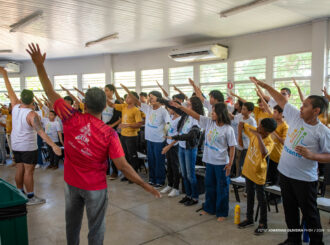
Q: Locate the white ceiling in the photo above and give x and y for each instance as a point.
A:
(66, 25)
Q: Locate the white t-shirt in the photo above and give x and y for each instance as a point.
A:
(107, 113)
(208, 106)
(172, 128)
(234, 123)
(217, 140)
(2, 120)
(51, 129)
(188, 124)
(58, 119)
(155, 123)
(316, 138)
(272, 103)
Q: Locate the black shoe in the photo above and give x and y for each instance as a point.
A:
(124, 179)
(287, 242)
(245, 223)
(190, 202)
(151, 183)
(158, 186)
(260, 230)
(183, 200)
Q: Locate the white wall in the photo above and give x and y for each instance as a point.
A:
(264, 44)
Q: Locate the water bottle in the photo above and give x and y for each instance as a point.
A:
(237, 217)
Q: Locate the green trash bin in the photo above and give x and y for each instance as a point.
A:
(13, 223)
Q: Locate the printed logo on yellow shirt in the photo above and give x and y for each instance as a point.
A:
(253, 154)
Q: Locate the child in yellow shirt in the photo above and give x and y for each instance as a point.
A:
(255, 169)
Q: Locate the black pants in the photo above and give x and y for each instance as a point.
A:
(173, 173)
(53, 158)
(251, 188)
(272, 173)
(130, 145)
(301, 194)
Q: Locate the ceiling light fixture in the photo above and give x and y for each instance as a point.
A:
(25, 21)
(102, 39)
(244, 7)
(3, 51)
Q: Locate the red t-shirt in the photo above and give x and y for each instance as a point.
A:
(87, 144)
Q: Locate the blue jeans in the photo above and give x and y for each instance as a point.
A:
(156, 162)
(39, 142)
(187, 158)
(216, 190)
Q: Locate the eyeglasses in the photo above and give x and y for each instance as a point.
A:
(284, 94)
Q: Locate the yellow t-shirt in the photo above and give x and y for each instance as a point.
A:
(82, 107)
(9, 124)
(259, 114)
(324, 120)
(281, 130)
(131, 115)
(255, 167)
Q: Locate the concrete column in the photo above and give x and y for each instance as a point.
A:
(108, 69)
(319, 55)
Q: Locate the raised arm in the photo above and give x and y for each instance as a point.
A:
(180, 92)
(261, 93)
(299, 90)
(163, 90)
(39, 59)
(197, 90)
(118, 96)
(70, 94)
(277, 96)
(136, 100)
(79, 91)
(324, 90)
(11, 94)
(190, 112)
(266, 106)
(240, 98)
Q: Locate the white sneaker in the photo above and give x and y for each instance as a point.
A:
(166, 189)
(35, 200)
(174, 193)
(37, 166)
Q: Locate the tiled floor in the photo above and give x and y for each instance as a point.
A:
(135, 217)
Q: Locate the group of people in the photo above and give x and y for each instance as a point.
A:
(271, 142)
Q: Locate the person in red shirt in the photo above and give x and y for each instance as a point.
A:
(88, 143)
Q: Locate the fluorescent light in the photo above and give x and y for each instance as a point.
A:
(2, 51)
(244, 7)
(25, 21)
(102, 39)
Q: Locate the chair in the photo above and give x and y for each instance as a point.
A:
(237, 182)
(143, 158)
(323, 204)
(274, 189)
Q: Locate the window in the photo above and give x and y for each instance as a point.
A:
(149, 78)
(33, 83)
(246, 91)
(213, 77)
(93, 80)
(15, 83)
(298, 66)
(178, 76)
(68, 82)
(249, 68)
(126, 78)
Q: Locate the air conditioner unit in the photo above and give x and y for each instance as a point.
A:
(10, 66)
(203, 53)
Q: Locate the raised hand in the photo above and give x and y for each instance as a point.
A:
(258, 82)
(125, 88)
(35, 53)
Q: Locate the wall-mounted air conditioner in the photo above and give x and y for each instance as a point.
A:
(203, 53)
(10, 66)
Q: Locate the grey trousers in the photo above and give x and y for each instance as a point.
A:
(96, 203)
(3, 148)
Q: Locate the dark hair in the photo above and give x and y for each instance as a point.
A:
(222, 113)
(269, 124)
(27, 96)
(95, 100)
(240, 105)
(259, 100)
(68, 98)
(179, 96)
(249, 106)
(135, 94)
(52, 112)
(156, 93)
(197, 105)
(110, 87)
(287, 90)
(319, 102)
(278, 108)
(143, 94)
(217, 95)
